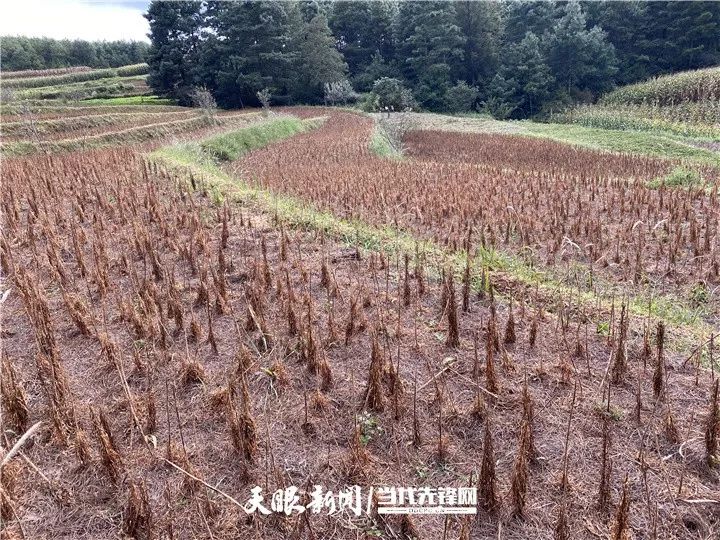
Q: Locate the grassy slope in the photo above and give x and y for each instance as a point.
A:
(684, 96)
(230, 146)
(650, 143)
(190, 157)
(634, 142)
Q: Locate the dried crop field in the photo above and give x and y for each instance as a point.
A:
(64, 113)
(179, 352)
(61, 127)
(552, 203)
(30, 134)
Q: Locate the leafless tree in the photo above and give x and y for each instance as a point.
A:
(204, 100)
(264, 97)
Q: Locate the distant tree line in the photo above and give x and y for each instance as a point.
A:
(20, 53)
(514, 58)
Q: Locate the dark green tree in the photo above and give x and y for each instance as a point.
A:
(682, 35)
(20, 53)
(528, 75)
(579, 59)
(377, 69)
(461, 97)
(501, 100)
(522, 16)
(253, 46)
(317, 61)
(363, 30)
(625, 24)
(176, 35)
(480, 24)
(433, 50)
(83, 53)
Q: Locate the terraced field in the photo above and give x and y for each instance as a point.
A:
(80, 85)
(194, 306)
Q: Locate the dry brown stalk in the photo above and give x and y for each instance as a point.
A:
(79, 313)
(604, 497)
(562, 527)
(408, 529)
(534, 326)
(621, 527)
(659, 376)
(14, 399)
(82, 447)
(137, 517)
(417, 438)
(529, 420)
(509, 337)
(712, 429)
(520, 473)
(466, 284)
(490, 377)
(619, 359)
(373, 396)
(453, 335)
(241, 422)
(487, 489)
(111, 460)
(192, 372)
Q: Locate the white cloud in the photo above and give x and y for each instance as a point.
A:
(74, 19)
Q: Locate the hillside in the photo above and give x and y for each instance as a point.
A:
(680, 110)
(77, 84)
(702, 85)
(198, 302)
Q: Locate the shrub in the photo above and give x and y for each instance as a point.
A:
(204, 100)
(461, 97)
(264, 99)
(339, 92)
(497, 108)
(390, 94)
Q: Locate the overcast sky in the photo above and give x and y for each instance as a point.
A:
(76, 19)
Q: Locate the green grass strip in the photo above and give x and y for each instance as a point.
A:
(231, 146)
(381, 145)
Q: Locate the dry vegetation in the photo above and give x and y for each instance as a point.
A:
(164, 352)
(30, 135)
(178, 353)
(65, 112)
(550, 202)
(63, 127)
